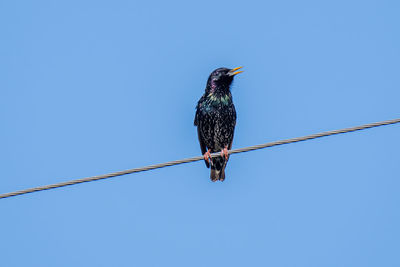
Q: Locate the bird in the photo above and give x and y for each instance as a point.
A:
(215, 119)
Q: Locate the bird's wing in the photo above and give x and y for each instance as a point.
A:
(199, 134)
(197, 122)
(202, 144)
(197, 116)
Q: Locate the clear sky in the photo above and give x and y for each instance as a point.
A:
(91, 87)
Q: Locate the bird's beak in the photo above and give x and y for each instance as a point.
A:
(234, 71)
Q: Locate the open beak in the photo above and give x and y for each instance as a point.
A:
(234, 71)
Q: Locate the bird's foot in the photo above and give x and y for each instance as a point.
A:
(207, 157)
(224, 152)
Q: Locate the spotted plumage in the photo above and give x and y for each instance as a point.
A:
(216, 119)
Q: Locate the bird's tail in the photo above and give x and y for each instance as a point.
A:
(218, 169)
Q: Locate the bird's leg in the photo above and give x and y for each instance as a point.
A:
(207, 157)
(224, 152)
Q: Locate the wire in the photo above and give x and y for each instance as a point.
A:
(176, 162)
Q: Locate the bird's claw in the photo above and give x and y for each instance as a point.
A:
(207, 157)
(224, 152)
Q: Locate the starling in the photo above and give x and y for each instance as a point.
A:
(216, 119)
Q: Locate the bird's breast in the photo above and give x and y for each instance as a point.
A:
(219, 100)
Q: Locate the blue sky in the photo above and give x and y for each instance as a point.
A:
(91, 87)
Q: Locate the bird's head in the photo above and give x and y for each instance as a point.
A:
(220, 79)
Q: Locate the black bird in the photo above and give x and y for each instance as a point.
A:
(216, 119)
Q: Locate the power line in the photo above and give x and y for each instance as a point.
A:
(176, 162)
